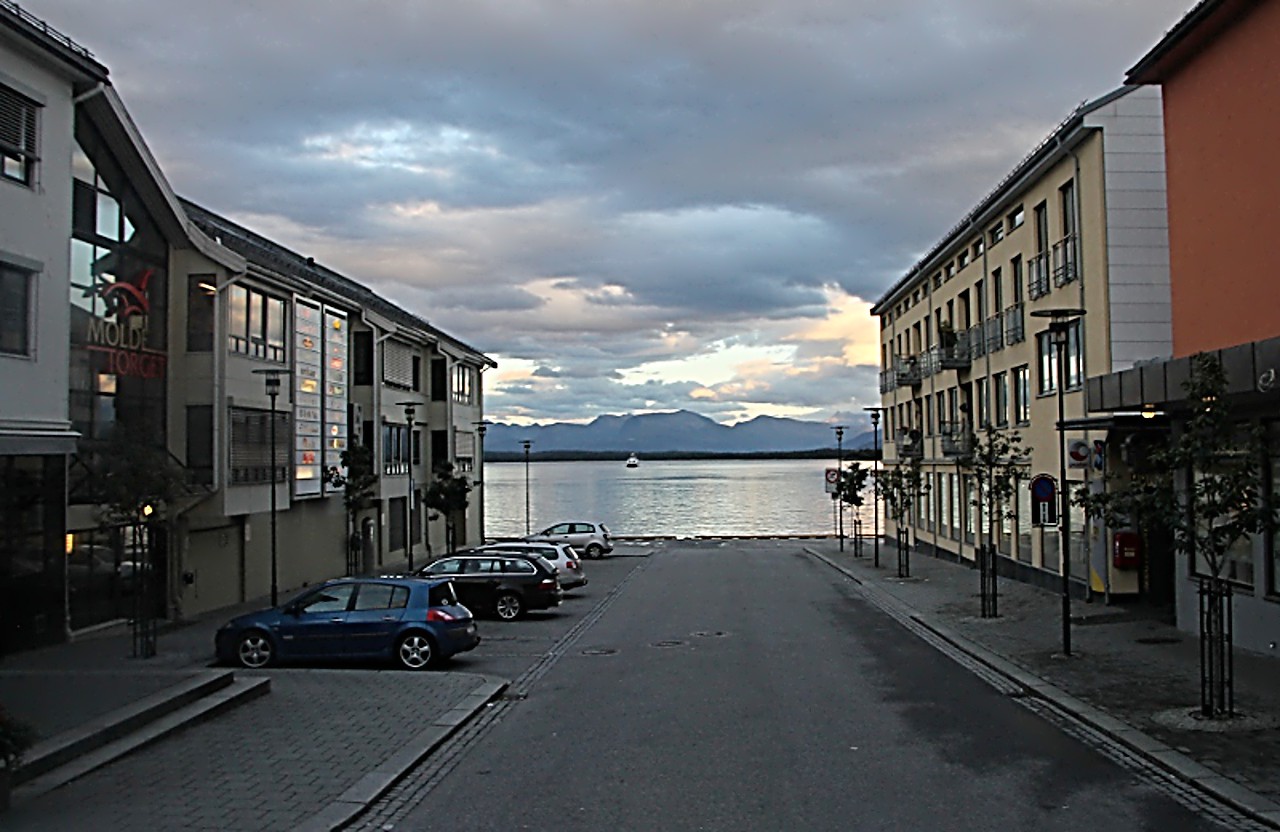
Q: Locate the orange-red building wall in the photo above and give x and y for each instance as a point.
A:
(1222, 137)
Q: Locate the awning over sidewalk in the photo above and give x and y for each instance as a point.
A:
(37, 442)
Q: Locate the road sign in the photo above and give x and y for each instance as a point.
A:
(1044, 500)
(1078, 454)
(833, 477)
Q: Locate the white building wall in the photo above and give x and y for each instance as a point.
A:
(35, 230)
(1140, 312)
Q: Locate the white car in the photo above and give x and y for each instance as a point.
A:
(592, 539)
(561, 555)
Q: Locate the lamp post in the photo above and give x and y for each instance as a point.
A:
(1060, 326)
(272, 378)
(481, 427)
(527, 528)
(839, 429)
(875, 499)
(410, 408)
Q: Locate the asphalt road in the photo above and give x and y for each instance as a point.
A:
(744, 686)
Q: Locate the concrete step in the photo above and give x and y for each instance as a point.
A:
(63, 758)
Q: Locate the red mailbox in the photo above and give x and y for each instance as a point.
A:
(1126, 550)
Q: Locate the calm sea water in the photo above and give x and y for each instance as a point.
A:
(681, 498)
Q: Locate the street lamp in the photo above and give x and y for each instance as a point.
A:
(1060, 325)
(839, 429)
(272, 378)
(527, 528)
(481, 427)
(875, 500)
(410, 408)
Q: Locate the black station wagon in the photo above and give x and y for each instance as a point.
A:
(505, 585)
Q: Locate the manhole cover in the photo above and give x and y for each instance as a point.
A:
(710, 634)
(1159, 640)
(668, 643)
(599, 651)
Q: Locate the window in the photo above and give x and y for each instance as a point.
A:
(15, 310)
(1000, 382)
(19, 150)
(397, 364)
(395, 449)
(981, 394)
(255, 325)
(362, 358)
(1015, 218)
(329, 600)
(463, 379)
(200, 443)
(1047, 363)
(997, 291)
(439, 380)
(1047, 356)
(1042, 227)
(201, 292)
(251, 458)
(996, 234)
(978, 248)
(1022, 394)
(1067, 193)
(381, 597)
(1015, 274)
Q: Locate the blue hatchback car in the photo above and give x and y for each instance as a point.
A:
(411, 621)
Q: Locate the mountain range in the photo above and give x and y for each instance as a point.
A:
(673, 432)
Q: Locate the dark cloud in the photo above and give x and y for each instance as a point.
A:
(587, 188)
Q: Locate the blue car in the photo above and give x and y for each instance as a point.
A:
(410, 621)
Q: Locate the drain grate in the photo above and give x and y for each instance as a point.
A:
(671, 643)
(600, 651)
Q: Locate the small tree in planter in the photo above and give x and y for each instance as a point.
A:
(996, 461)
(447, 494)
(849, 493)
(1207, 486)
(901, 487)
(358, 491)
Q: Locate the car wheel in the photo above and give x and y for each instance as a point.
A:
(508, 606)
(595, 551)
(414, 651)
(255, 650)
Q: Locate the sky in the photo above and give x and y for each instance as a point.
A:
(631, 205)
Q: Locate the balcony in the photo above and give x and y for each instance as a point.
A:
(1014, 326)
(907, 371)
(1038, 276)
(956, 440)
(995, 334)
(888, 381)
(953, 351)
(1064, 261)
(976, 337)
(910, 444)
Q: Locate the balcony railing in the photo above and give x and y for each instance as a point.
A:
(953, 352)
(930, 362)
(995, 334)
(907, 371)
(888, 381)
(1014, 327)
(910, 444)
(1038, 275)
(977, 341)
(957, 439)
(1064, 261)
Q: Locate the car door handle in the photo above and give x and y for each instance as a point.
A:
(389, 618)
(335, 620)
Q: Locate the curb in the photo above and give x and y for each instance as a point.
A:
(355, 800)
(1173, 762)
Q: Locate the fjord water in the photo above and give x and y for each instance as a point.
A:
(683, 498)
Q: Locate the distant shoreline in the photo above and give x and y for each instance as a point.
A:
(668, 456)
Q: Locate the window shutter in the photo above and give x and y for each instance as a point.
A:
(397, 364)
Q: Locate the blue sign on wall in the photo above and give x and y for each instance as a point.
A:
(1044, 500)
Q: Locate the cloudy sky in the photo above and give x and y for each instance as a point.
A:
(632, 205)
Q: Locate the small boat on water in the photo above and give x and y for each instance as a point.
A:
(633, 461)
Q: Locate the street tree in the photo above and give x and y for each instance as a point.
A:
(1206, 485)
(359, 489)
(447, 495)
(849, 492)
(901, 486)
(996, 463)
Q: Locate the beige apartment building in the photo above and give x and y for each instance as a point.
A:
(1079, 224)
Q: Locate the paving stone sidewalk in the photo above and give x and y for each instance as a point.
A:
(1124, 662)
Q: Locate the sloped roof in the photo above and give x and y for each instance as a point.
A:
(258, 249)
(1206, 20)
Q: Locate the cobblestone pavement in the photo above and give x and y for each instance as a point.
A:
(267, 765)
(1142, 671)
